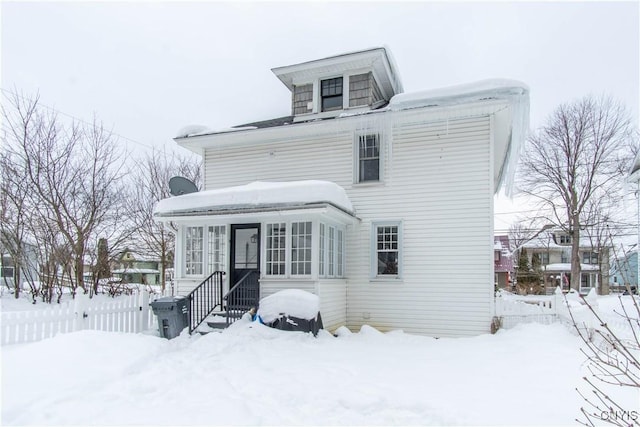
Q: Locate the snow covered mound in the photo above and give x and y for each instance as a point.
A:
(291, 302)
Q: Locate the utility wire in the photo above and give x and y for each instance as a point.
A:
(55, 110)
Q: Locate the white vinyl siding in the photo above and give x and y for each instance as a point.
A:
(438, 179)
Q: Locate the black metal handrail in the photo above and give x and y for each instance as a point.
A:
(204, 299)
(242, 296)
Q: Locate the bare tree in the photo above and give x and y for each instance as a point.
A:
(72, 174)
(152, 185)
(578, 156)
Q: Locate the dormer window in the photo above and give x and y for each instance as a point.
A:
(331, 94)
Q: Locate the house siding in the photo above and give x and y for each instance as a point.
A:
(333, 303)
(437, 180)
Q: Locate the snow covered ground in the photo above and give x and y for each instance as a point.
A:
(253, 375)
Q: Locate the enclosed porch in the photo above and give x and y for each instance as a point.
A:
(237, 245)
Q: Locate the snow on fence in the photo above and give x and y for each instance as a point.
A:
(125, 314)
(513, 309)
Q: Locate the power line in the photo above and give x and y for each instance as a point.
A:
(55, 110)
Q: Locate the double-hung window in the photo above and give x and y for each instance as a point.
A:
(217, 246)
(276, 251)
(368, 166)
(194, 251)
(301, 248)
(589, 257)
(387, 246)
(331, 250)
(331, 94)
(544, 258)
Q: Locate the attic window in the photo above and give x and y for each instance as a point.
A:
(331, 94)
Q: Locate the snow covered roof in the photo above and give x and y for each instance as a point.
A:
(459, 94)
(258, 194)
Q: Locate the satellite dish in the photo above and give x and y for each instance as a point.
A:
(179, 185)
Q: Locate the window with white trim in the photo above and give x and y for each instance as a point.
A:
(301, 248)
(368, 163)
(340, 254)
(217, 245)
(386, 256)
(194, 251)
(276, 250)
(331, 251)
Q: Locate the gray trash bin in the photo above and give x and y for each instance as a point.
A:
(173, 315)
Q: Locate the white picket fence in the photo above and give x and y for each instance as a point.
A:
(513, 310)
(125, 314)
(567, 309)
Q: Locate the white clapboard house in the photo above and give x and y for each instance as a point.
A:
(378, 201)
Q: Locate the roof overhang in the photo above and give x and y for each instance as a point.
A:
(378, 59)
(506, 101)
(259, 201)
(224, 215)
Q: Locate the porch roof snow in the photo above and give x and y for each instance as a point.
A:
(258, 194)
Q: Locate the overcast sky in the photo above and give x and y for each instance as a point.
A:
(147, 69)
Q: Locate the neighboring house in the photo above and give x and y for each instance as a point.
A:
(379, 202)
(133, 267)
(9, 268)
(554, 249)
(502, 262)
(624, 271)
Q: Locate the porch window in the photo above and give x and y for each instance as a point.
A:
(321, 255)
(301, 248)
(340, 254)
(368, 167)
(386, 253)
(331, 251)
(276, 240)
(217, 248)
(194, 251)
